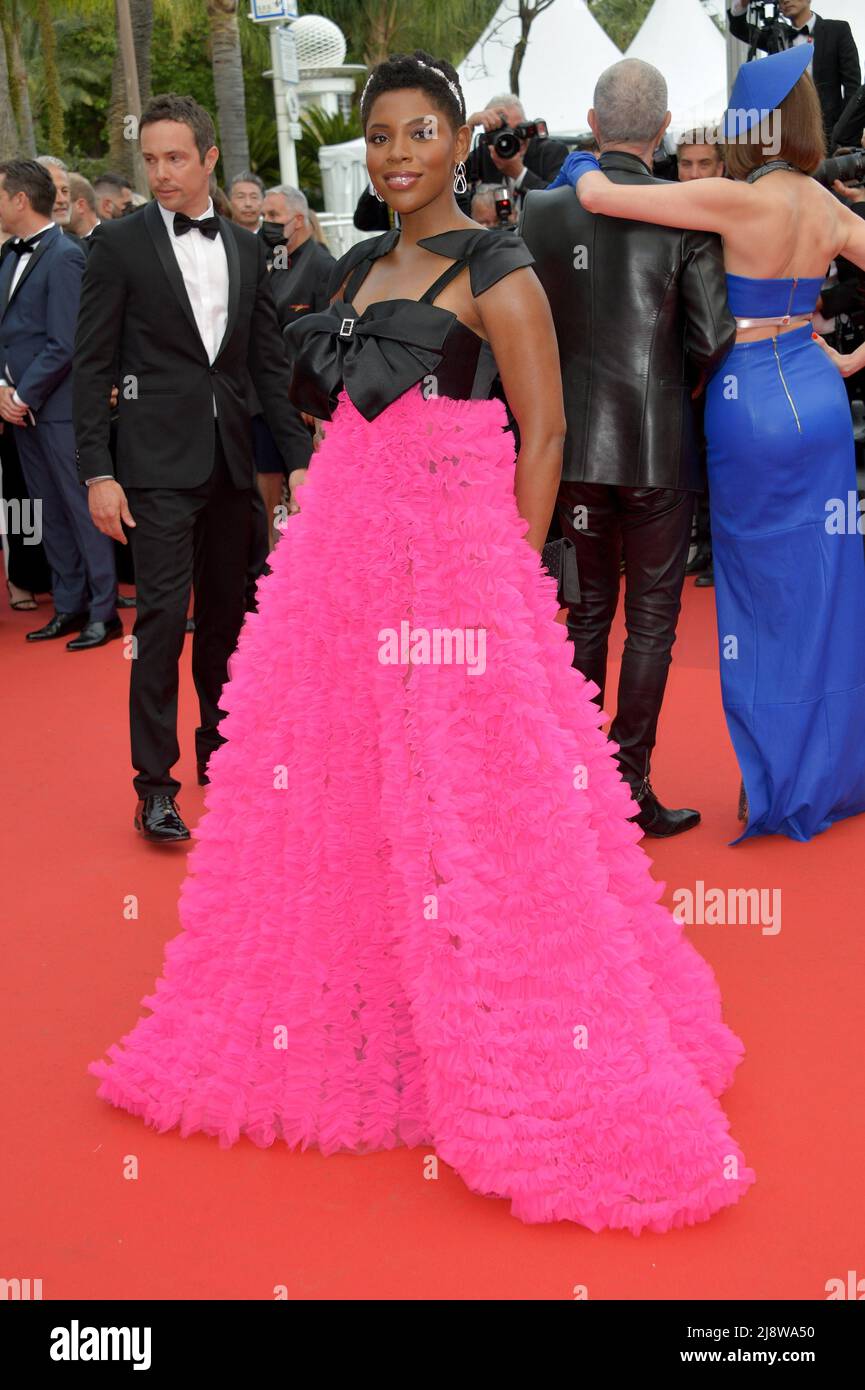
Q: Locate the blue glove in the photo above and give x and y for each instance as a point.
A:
(576, 164)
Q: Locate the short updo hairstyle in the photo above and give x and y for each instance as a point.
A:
(418, 69)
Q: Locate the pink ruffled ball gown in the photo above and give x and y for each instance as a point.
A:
(416, 910)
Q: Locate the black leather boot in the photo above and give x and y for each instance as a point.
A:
(702, 561)
(657, 820)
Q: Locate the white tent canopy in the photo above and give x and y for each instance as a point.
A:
(343, 174)
(679, 38)
(566, 52)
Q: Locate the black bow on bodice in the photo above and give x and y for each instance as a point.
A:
(376, 355)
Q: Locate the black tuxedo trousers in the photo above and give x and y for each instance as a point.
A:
(201, 537)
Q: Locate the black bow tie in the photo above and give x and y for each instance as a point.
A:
(20, 246)
(208, 226)
(797, 33)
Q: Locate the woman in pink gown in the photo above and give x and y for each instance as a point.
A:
(416, 910)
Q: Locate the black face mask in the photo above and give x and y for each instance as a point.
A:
(272, 234)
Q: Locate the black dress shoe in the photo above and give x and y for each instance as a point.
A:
(701, 561)
(657, 820)
(203, 779)
(158, 819)
(59, 625)
(706, 580)
(95, 635)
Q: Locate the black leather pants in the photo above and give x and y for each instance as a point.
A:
(650, 528)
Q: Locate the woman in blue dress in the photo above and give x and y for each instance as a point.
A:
(789, 575)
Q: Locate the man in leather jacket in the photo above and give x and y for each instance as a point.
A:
(642, 320)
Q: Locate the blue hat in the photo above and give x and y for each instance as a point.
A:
(761, 86)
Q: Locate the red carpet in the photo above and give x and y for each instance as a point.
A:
(201, 1222)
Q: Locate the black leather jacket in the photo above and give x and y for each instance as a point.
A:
(644, 322)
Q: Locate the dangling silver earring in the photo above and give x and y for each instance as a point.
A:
(460, 185)
(373, 189)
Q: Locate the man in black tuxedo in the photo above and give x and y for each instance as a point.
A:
(641, 318)
(835, 69)
(177, 311)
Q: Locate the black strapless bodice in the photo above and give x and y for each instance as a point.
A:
(395, 343)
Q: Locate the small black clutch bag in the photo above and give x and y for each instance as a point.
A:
(559, 559)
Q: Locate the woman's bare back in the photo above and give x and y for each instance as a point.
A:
(793, 228)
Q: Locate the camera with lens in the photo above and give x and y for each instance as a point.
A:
(849, 168)
(764, 16)
(507, 139)
(504, 205)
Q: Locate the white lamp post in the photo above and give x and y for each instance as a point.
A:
(285, 78)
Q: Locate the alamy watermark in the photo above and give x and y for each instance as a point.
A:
(21, 517)
(720, 907)
(434, 646)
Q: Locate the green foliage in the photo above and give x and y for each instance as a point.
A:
(263, 153)
(320, 128)
(620, 18)
(445, 28)
(71, 86)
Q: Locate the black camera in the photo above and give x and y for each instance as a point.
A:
(506, 140)
(504, 205)
(849, 168)
(765, 16)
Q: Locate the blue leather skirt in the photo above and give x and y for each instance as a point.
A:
(789, 582)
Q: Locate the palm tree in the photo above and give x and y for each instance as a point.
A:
(227, 67)
(120, 147)
(19, 89)
(8, 128)
(53, 99)
(221, 18)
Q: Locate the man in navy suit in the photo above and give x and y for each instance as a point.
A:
(40, 287)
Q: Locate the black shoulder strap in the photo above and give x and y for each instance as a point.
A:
(355, 279)
(445, 278)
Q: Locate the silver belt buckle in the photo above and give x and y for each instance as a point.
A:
(346, 328)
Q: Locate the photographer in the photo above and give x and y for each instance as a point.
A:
(536, 160)
(835, 65)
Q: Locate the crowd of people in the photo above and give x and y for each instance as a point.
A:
(552, 368)
(645, 491)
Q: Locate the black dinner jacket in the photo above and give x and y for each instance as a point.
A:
(836, 70)
(641, 317)
(136, 329)
(301, 287)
